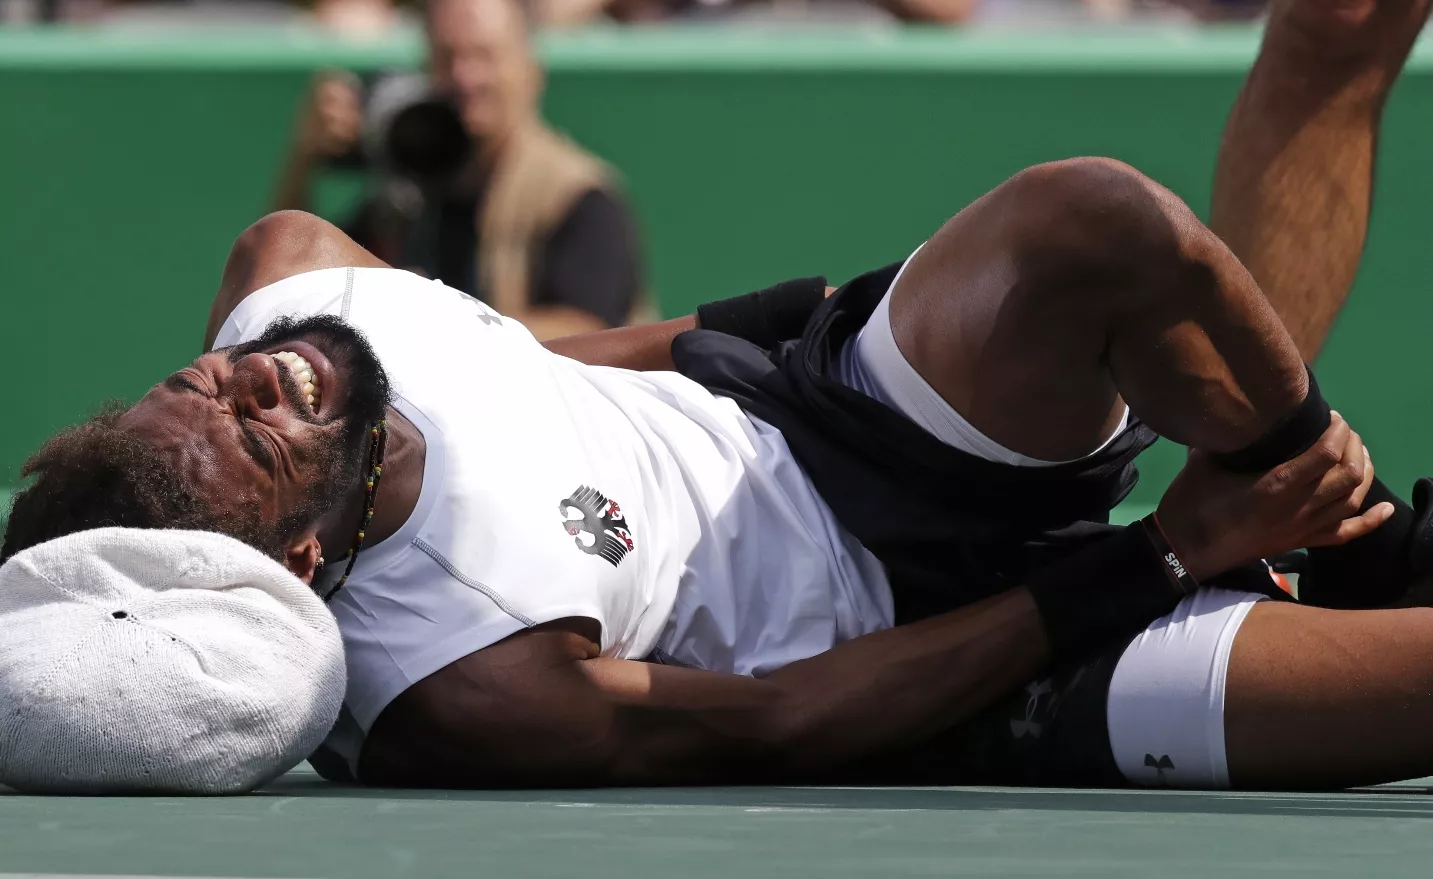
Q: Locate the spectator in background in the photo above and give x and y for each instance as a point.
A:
(568, 13)
(500, 206)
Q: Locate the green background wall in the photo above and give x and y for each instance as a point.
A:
(128, 164)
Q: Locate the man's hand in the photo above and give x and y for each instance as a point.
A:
(1218, 520)
(331, 119)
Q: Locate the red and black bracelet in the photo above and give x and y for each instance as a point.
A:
(1178, 574)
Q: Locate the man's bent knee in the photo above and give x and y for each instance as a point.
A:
(1091, 220)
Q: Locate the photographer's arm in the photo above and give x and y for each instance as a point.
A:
(295, 182)
(328, 125)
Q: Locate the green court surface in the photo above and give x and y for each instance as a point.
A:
(300, 827)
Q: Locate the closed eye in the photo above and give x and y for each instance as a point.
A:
(257, 448)
(178, 382)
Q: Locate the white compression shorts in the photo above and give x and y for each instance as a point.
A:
(872, 364)
(1165, 708)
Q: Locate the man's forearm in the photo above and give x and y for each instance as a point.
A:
(547, 322)
(647, 347)
(867, 696)
(897, 687)
(575, 720)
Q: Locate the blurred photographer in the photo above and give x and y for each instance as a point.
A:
(468, 184)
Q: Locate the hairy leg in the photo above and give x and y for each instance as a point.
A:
(1078, 283)
(1329, 699)
(1294, 182)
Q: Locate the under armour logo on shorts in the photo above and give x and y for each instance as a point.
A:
(1028, 725)
(1160, 766)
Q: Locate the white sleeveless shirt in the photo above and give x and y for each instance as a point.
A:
(553, 489)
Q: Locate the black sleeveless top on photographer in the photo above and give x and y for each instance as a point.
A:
(589, 262)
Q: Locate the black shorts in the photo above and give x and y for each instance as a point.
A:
(1052, 732)
(950, 528)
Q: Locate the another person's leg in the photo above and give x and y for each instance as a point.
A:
(1294, 182)
(1075, 286)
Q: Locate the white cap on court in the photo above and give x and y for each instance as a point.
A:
(135, 661)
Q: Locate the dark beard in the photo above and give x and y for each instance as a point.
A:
(343, 457)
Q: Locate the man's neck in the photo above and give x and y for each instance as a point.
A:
(398, 491)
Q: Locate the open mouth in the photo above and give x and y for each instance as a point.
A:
(305, 375)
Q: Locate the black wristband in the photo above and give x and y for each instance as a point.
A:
(1376, 569)
(1108, 591)
(1286, 440)
(1420, 540)
(766, 318)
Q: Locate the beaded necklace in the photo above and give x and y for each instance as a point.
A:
(379, 434)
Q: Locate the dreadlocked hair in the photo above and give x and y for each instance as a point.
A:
(95, 475)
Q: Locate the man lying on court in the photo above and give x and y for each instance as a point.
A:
(876, 553)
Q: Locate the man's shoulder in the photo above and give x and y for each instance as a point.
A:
(300, 295)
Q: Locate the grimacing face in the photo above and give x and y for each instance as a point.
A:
(274, 429)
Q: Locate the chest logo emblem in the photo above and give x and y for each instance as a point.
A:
(596, 524)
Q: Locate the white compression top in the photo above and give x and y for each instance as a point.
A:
(553, 489)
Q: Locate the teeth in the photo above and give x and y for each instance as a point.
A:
(303, 373)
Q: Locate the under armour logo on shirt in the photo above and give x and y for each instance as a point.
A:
(485, 314)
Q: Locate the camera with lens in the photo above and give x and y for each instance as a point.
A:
(409, 130)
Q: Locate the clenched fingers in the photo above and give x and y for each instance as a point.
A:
(1318, 460)
(1342, 482)
(1354, 527)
